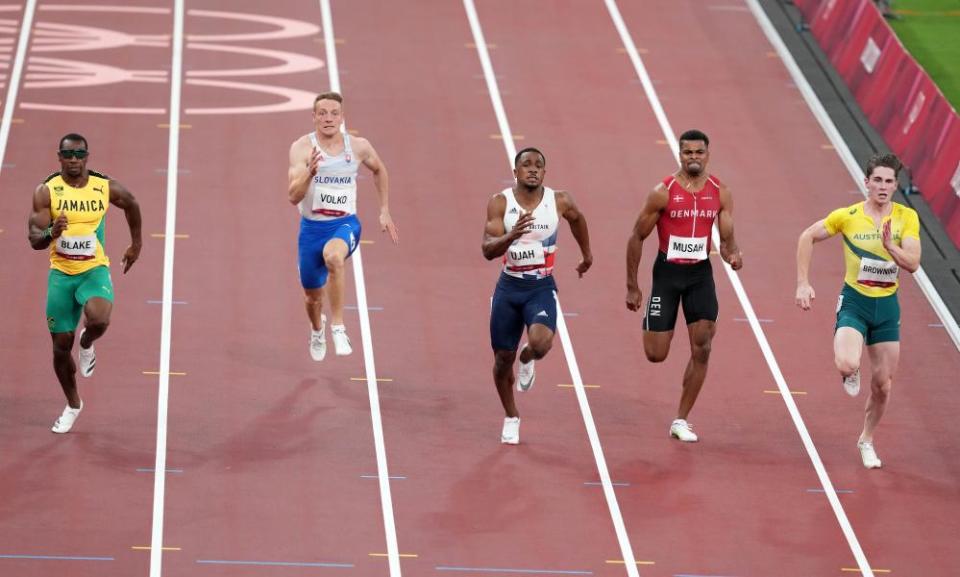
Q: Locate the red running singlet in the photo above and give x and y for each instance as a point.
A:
(686, 223)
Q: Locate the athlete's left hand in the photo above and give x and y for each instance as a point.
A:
(735, 260)
(585, 263)
(130, 256)
(386, 225)
(733, 257)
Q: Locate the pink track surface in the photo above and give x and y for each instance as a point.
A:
(271, 454)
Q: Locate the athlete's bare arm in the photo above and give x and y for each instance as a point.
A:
(40, 231)
(578, 226)
(369, 157)
(649, 216)
(496, 239)
(814, 233)
(303, 167)
(907, 254)
(123, 199)
(728, 246)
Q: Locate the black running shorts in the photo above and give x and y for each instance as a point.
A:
(673, 284)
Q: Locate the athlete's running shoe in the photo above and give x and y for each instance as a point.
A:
(525, 373)
(680, 429)
(851, 384)
(318, 340)
(868, 455)
(87, 358)
(341, 342)
(511, 431)
(66, 420)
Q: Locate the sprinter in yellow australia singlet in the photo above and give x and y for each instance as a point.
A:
(880, 237)
(68, 220)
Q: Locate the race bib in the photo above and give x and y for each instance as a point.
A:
(333, 194)
(683, 248)
(523, 256)
(877, 273)
(331, 203)
(77, 247)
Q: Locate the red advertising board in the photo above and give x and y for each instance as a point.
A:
(897, 96)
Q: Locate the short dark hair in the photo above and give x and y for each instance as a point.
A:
(516, 159)
(885, 159)
(75, 137)
(694, 134)
(328, 96)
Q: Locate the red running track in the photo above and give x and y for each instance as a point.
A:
(270, 451)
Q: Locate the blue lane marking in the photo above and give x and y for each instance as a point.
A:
(354, 308)
(377, 477)
(743, 320)
(936, 325)
(56, 557)
(275, 563)
(505, 570)
(612, 483)
(566, 314)
(835, 491)
(161, 302)
(151, 470)
(694, 575)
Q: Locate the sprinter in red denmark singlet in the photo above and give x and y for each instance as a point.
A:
(683, 208)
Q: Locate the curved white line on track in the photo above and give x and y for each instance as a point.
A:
(166, 315)
(386, 499)
(758, 333)
(611, 497)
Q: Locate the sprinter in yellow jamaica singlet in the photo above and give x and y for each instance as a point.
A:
(68, 220)
(880, 237)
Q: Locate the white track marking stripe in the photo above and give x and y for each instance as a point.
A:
(623, 539)
(13, 82)
(829, 490)
(169, 244)
(386, 500)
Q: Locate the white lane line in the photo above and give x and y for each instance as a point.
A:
(386, 500)
(668, 133)
(510, 147)
(13, 82)
(166, 314)
(843, 151)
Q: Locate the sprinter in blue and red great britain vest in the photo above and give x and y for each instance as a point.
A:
(683, 208)
(521, 229)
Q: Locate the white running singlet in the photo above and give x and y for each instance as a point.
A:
(333, 191)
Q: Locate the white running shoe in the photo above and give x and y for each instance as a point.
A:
(341, 342)
(318, 340)
(87, 358)
(511, 431)
(680, 429)
(525, 373)
(868, 455)
(851, 384)
(66, 420)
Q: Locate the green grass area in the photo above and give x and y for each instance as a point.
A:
(930, 30)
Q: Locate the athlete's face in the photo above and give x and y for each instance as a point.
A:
(73, 157)
(327, 117)
(530, 170)
(694, 156)
(881, 184)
